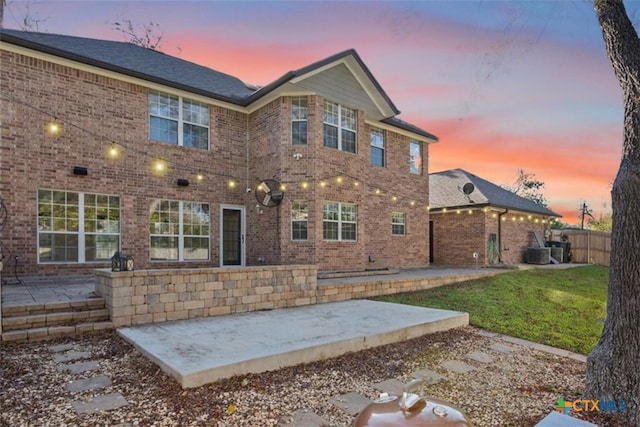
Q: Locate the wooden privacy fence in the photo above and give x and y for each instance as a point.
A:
(588, 247)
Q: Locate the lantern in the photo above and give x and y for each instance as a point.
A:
(116, 262)
(127, 263)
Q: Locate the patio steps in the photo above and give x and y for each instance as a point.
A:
(35, 322)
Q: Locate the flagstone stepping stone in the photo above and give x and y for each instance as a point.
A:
(393, 386)
(304, 418)
(105, 402)
(481, 357)
(487, 334)
(502, 348)
(60, 348)
(429, 377)
(94, 383)
(79, 367)
(73, 355)
(352, 403)
(457, 366)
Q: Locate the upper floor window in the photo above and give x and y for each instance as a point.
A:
(415, 158)
(339, 130)
(339, 221)
(299, 120)
(179, 230)
(397, 224)
(179, 121)
(77, 227)
(299, 220)
(377, 147)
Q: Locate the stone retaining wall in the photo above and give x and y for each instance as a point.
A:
(151, 296)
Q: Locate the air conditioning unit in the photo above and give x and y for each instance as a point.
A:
(538, 255)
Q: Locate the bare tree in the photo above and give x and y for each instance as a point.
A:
(613, 367)
(526, 185)
(146, 36)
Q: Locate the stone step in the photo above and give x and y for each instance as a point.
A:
(65, 318)
(53, 307)
(50, 332)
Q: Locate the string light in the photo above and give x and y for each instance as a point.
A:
(304, 185)
(54, 127)
(199, 177)
(231, 184)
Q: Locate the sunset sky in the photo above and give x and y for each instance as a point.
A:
(503, 84)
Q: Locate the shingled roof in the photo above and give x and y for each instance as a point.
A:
(445, 191)
(154, 66)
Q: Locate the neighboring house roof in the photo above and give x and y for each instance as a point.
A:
(445, 191)
(154, 66)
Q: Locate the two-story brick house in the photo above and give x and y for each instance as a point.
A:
(107, 146)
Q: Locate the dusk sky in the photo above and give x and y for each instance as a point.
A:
(503, 84)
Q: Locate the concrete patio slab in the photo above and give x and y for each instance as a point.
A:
(201, 351)
(556, 419)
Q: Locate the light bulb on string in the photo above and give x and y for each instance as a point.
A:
(54, 127)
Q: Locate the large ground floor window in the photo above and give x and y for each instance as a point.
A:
(77, 227)
(179, 230)
(339, 221)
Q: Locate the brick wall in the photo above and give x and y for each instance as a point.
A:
(245, 148)
(458, 235)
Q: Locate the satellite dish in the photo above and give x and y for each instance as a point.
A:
(468, 188)
(269, 193)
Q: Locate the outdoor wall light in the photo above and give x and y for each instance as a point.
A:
(79, 170)
(183, 182)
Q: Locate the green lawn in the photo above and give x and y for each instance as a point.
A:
(560, 308)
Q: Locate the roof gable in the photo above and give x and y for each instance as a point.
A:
(445, 191)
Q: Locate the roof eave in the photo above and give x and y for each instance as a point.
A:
(114, 68)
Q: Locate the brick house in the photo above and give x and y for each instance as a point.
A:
(107, 146)
(470, 215)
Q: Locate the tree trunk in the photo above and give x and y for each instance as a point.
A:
(613, 367)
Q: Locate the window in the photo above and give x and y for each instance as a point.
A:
(415, 158)
(397, 224)
(339, 221)
(339, 128)
(299, 120)
(179, 230)
(299, 220)
(377, 147)
(178, 121)
(77, 227)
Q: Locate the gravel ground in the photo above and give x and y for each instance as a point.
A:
(516, 389)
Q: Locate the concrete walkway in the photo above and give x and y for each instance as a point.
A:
(201, 351)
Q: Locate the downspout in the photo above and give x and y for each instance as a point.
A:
(500, 233)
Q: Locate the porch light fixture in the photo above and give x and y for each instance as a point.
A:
(80, 170)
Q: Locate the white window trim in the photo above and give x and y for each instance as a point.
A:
(81, 233)
(339, 221)
(181, 121)
(383, 148)
(293, 220)
(403, 223)
(296, 120)
(340, 127)
(181, 234)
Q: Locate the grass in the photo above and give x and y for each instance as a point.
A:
(561, 308)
